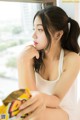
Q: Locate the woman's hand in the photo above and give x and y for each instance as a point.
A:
(35, 105)
(29, 52)
(25, 65)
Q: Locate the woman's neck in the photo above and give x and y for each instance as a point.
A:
(53, 53)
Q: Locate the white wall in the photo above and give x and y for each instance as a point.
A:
(71, 8)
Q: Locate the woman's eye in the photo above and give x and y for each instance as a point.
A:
(40, 30)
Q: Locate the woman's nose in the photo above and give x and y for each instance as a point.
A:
(34, 35)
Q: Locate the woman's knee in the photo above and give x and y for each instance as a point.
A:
(53, 114)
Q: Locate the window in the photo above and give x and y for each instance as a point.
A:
(15, 31)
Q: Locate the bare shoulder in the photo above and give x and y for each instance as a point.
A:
(71, 59)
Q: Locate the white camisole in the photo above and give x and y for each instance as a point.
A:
(69, 102)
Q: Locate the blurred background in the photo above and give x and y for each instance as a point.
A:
(16, 27)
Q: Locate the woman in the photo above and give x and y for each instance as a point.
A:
(49, 68)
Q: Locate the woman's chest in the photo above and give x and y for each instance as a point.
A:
(50, 71)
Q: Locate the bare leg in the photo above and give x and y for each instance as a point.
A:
(54, 114)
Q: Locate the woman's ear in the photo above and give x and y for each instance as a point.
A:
(58, 34)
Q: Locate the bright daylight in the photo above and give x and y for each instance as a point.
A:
(15, 31)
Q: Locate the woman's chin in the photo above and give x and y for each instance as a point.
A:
(38, 48)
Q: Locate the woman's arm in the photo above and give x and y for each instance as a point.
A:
(26, 74)
(25, 67)
(70, 72)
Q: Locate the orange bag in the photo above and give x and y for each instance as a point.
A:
(11, 104)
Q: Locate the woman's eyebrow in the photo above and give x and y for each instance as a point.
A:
(38, 25)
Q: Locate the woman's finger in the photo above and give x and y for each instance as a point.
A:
(28, 103)
(29, 109)
(35, 113)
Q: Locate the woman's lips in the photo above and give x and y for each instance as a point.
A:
(35, 43)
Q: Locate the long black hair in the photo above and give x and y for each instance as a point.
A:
(54, 19)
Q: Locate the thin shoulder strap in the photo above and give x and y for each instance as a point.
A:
(61, 61)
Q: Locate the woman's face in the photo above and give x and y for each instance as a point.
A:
(40, 39)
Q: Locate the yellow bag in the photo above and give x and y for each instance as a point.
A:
(11, 104)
